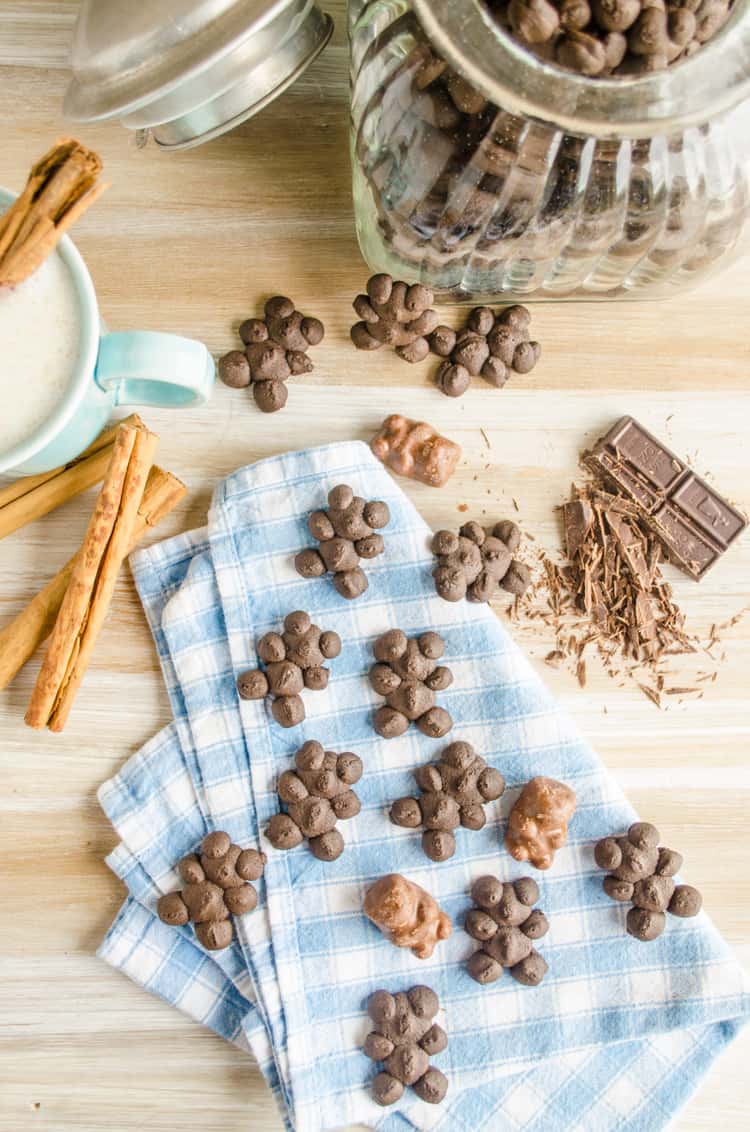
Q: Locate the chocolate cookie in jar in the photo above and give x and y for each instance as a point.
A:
(550, 148)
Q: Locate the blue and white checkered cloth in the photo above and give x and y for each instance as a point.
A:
(618, 1034)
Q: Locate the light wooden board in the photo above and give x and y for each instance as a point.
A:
(192, 243)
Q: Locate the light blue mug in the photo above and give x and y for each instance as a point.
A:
(120, 368)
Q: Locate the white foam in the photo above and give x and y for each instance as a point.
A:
(39, 331)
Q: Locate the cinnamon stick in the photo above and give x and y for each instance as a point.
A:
(20, 639)
(30, 498)
(60, 187)
(92, 580)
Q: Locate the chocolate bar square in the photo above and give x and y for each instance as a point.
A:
(694, 524)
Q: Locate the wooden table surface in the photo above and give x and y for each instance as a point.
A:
(192, 243)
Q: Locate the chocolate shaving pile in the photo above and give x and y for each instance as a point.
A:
(610, 596)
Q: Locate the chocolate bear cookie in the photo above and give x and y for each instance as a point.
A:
(505, 922)
(317, 793)
(404, 1038)
(275, 348)
(217, 885)
(454, 790)
(642, 872)
(346, 532)
(407, 675)
(474, 564)
(293, 660)
(490, 346)
(395, 314)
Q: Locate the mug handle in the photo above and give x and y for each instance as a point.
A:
(144, 367)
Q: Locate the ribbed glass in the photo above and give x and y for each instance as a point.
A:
(492, 203)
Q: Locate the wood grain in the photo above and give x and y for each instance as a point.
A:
(192, 243)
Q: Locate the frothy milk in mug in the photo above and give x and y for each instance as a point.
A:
(39, 336)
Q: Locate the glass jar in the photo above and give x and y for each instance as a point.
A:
(485, 172)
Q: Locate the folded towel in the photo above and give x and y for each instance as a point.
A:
(623, 1029)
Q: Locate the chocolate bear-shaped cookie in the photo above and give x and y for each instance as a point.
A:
(275, 348)
(404, 1038)
(407, 675)
(407, 914)
(642, 871)
(293, 660)
(505, 922)
(474, 565)
(489, 346)
(316, 793)
(346, 532)
(454, 790)
(216, 886)
(395, 314)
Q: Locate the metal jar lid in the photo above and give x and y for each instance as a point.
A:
(188, 70)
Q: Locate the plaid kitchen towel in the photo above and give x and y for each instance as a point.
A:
(609, 1006)
(635, 1085)
(169, 779)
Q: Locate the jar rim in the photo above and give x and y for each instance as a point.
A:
(710, 82)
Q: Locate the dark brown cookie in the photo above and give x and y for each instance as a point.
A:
(275, 348)
(490, 346)
(395, 314)
(407, 675)
(405, 1036)
(454, 791)
(505, 922)
(346, 532)
(475, 565)
(317, 793)
(293, 660)
(641, 871)
(216, 885)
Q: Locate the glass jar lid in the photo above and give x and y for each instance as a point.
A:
(188, 69)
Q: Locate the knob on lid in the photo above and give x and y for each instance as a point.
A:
(188, 69)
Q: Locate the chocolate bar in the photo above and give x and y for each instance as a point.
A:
(694, 524)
